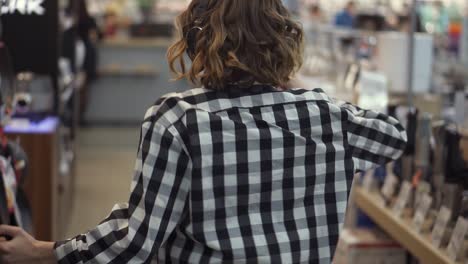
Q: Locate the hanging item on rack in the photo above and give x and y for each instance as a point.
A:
(438, 178)
(456, 172)
(456, 168)
(408, 157)
(18, 161)
(11, 187)
(4, 214)
(14, 207)
(11, 171)
(422, 177)
(6, 94)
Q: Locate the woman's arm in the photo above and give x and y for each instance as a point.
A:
(133, 232)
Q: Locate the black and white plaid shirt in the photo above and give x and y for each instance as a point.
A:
(240, 177)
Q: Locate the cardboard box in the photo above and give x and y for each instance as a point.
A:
(365, 246)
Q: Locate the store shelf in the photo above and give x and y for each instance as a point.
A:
(126, 42)
(147, 72)
(400, 229)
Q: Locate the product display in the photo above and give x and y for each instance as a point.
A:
(407, 195)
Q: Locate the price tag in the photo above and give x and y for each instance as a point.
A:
(440, 225)
(403, 198)
(368, 181)
(390, 184)
(421, 212)
(458, 238)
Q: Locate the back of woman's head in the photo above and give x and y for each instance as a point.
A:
(237, 41)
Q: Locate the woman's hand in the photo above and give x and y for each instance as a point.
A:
(23, 248)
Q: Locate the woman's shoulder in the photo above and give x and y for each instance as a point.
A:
(171, 107)
(310, 95)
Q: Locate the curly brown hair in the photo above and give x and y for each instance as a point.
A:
(240, 41)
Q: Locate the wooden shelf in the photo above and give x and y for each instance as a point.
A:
(400, 229)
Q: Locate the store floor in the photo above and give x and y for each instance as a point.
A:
(105, 164)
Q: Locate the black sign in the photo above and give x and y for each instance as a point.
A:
(30, 30)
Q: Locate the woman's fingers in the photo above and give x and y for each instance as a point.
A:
(9, 231)
(19, 247)
(4, 248)
(6, 231)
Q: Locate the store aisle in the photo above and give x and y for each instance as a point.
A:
(105, 164)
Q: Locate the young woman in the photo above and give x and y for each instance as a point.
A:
(243, 170)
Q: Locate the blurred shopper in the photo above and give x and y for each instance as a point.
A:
(441, 18)
(246, 169)
(345, 18)
(315, 14)
(404, 19)
(111, 24)
(89, 33)
(312, 23)
(146, 9)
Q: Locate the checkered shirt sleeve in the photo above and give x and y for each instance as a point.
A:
(373, 138)
(133, 231)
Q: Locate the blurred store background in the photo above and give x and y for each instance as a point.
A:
(85, 71)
